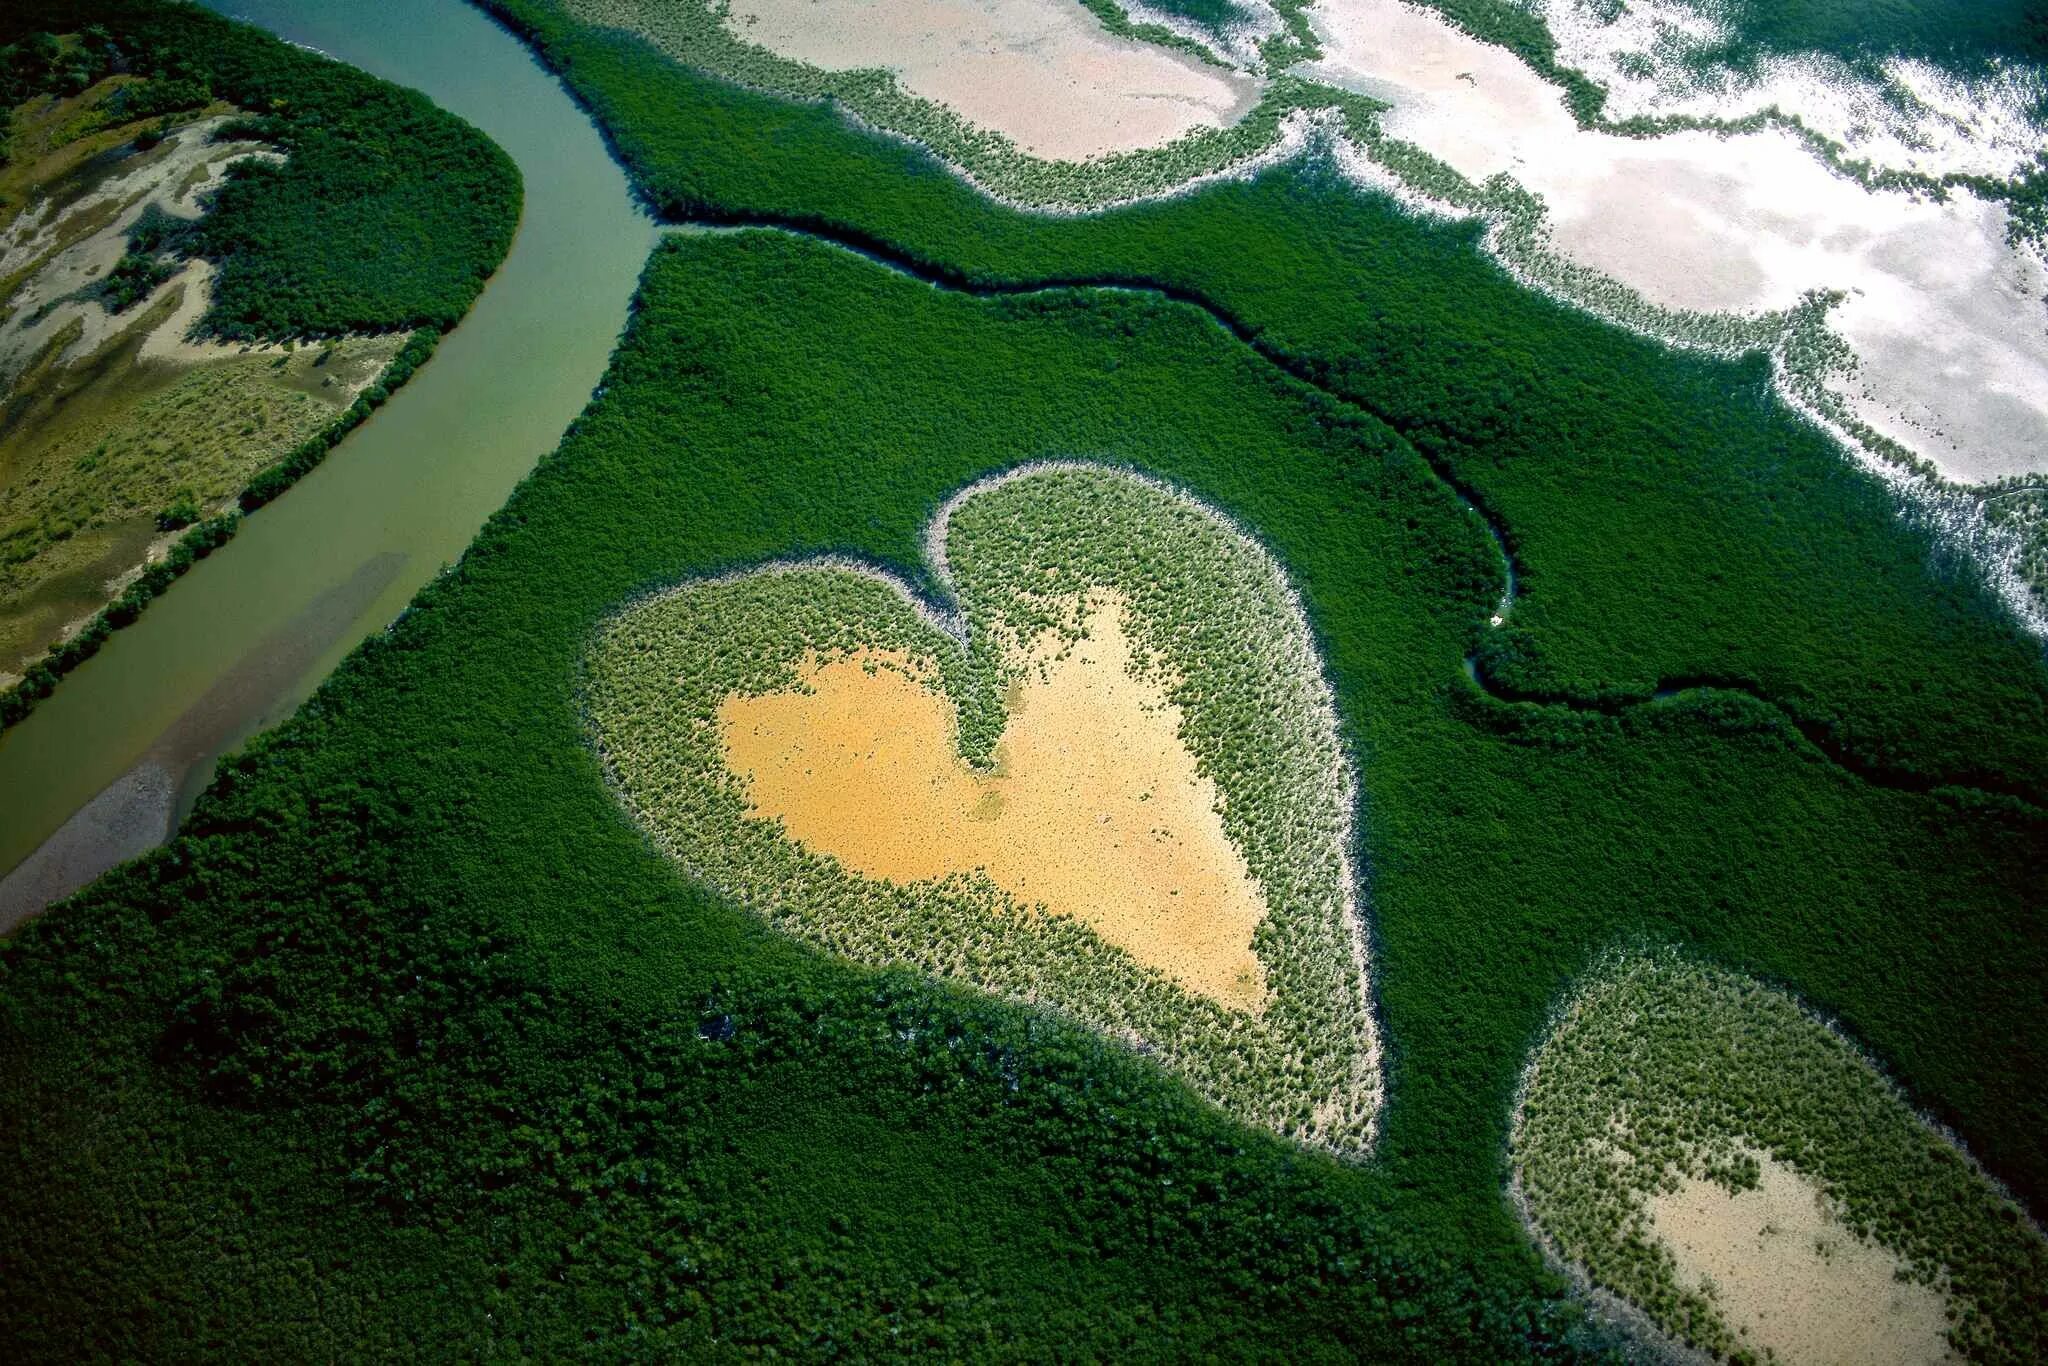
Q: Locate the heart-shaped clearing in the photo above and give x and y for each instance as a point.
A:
(1111, 785)
(1093, 807)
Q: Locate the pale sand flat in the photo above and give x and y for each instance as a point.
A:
(1095, 809)
(1945, 317)
(1788, 1277)
(1044, 73)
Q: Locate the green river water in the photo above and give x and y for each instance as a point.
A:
(104, 768)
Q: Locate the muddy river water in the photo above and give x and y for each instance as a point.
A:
(106, 766)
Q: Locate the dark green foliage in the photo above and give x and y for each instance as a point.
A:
(414, 1004)
(182, 512)
(1962, 35)
(131, 279)
(411, 943)
(1671, 520)
(684, 1126)
(36, 62)
(387, 213)
(151, 99)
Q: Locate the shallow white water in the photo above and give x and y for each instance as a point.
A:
(1945, 316)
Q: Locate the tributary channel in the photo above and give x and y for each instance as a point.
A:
(107, 766)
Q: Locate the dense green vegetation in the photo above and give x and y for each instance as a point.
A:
(440, 1030)
(1030, 558)
(1656, 543)
(462, 995)
(386, 213)
(412, 1013)
(1661, 1067)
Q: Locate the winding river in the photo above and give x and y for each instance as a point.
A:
(107, 766)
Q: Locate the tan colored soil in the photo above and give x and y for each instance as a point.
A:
(1792, 1279)
(54, 263)
(1044, 73)
(1094, 810)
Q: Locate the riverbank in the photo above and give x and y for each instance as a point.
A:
(415, 481)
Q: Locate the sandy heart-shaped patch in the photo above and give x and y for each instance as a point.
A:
(1109, 783)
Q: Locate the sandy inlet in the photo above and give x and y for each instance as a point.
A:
(1094, 808)
(1946, 318)
(1789, 1277)
(1044, 73)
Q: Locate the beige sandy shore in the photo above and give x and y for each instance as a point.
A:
(1095, 809)
(1945, 317)
(1044, 73)
(1790, 1278)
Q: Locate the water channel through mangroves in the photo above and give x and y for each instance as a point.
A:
(106, 767)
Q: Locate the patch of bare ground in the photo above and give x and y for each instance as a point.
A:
(1791, 1279)
(1043, 73)
(1094, 808)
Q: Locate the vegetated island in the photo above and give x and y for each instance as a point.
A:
(218, 253)
(1124, 800)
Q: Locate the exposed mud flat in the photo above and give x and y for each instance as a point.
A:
(1945, 316)
(1792, 1279)
(63, 247)
(1043, 73)
(1094, 810)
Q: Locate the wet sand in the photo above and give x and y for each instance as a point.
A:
(1944, 315)
(1095, 809)
(1043, 73)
